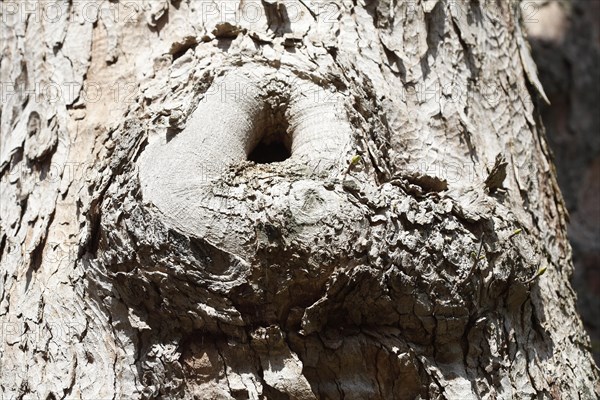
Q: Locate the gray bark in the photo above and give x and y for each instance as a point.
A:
(398, 253)
(565, 39)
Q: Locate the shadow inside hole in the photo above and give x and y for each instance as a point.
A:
(267, 152)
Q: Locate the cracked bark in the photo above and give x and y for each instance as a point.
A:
(565, 45)
(374, 262)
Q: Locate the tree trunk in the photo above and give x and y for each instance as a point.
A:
(565, 41)
(280, 200)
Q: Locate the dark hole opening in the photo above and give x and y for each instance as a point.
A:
(269, 152)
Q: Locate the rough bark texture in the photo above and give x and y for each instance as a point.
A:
(565, 37)
(396, 254)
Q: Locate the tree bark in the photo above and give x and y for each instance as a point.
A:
(565, 41)
(412, 245)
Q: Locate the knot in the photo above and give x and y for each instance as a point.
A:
(258, 114)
